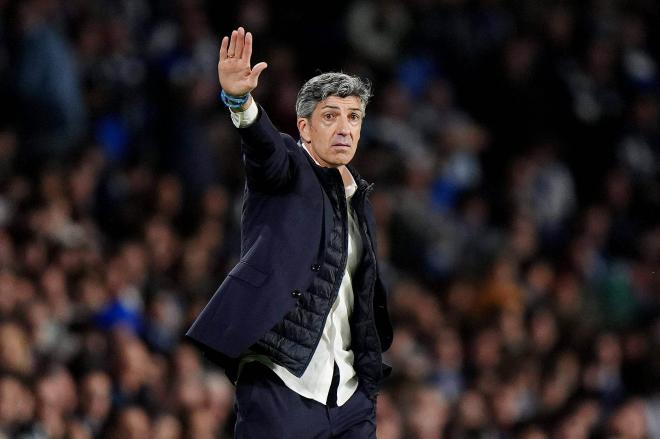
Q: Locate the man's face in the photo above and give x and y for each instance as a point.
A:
(333, 131)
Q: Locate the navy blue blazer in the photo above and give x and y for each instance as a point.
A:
(282, 226)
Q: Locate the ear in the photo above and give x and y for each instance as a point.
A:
(303, 129)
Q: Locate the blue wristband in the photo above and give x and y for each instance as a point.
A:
(234, 102)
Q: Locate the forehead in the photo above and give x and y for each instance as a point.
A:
(346, 103)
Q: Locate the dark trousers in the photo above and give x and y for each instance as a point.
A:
(267, 409)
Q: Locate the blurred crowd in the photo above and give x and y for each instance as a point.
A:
(515, 148)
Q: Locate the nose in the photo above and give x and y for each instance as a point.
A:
(342, 127)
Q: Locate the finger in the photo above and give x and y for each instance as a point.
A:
(231, 51)
(223, 48)
(240, 40)
(247, 50)
(256, 71)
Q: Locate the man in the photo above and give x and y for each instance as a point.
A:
(302, 319)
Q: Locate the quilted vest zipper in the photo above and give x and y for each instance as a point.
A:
(343, 213)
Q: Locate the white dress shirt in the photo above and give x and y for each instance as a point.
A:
(334, 346)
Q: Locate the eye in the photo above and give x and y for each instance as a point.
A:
(355, 116)
(329, 116)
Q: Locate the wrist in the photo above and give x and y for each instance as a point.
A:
(243, 107)
(236, 103)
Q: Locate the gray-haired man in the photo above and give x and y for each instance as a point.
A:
(301, 322)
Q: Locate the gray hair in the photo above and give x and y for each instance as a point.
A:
(324, 85)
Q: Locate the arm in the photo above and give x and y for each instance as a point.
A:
(264, 153)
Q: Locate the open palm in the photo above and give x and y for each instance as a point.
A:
(236, 76)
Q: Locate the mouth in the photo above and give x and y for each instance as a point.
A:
(341, 145)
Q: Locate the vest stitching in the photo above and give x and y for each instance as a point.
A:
(286, 318)
(275, 348)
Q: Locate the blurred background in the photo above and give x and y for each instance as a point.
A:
(515, 149)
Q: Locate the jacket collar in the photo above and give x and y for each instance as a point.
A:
(363, 185)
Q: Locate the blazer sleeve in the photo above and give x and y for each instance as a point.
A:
(268, 162)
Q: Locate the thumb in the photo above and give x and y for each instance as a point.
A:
(256, 70)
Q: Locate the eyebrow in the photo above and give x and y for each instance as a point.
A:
(334, 107)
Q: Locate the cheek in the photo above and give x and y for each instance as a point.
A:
(322, 135)
(324, 139)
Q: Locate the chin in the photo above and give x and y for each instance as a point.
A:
(338, 163)
(337, 160)
(342, 159)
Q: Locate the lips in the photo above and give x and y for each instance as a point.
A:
(345, 145)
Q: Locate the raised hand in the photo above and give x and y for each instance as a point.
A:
(236, 76)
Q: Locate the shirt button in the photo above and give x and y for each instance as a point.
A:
(316, 267)
(296, 293)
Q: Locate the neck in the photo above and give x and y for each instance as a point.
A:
(346, 176)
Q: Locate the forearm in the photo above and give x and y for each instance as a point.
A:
(265, 154)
